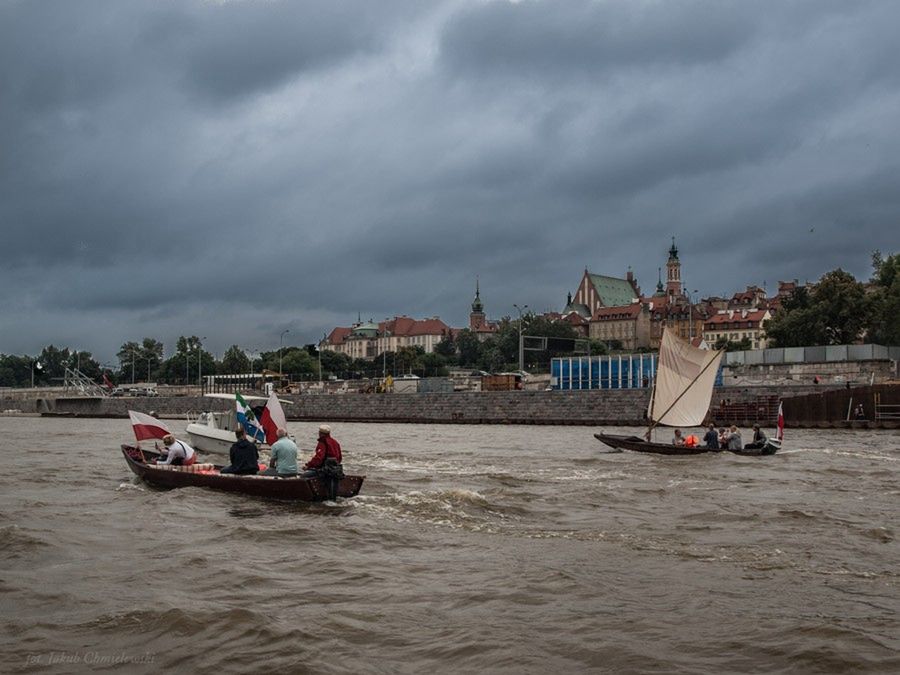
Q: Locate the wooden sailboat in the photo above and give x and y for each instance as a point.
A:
(682, 391)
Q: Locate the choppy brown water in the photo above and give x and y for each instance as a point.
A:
(496, 549)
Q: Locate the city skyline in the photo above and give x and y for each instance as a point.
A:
(233, 170)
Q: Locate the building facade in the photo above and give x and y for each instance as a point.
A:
(736, 325)
(368, 340)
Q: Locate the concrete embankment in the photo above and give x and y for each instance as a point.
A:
(804, 406)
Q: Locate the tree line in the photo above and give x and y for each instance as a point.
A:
(145, 361)
(838, 309)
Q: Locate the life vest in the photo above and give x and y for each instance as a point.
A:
(691, 441)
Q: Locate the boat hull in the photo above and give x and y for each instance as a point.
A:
(636, 444)
(210, 440)
(292, 489)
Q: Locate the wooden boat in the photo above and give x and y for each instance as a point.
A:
(207, 475)
(637, 444)
(682, 390)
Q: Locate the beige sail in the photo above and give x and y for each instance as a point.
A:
(685, 378)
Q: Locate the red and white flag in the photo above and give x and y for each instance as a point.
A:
(146, 426)
(272, 418)
(779, 434)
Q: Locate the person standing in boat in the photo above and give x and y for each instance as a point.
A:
(711, 439)
(327, 454)
(678, 439)
(283, 461)
(176, 453)
(243, 455)
(759, 439)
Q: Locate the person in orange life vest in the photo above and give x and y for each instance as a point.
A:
(326, 448)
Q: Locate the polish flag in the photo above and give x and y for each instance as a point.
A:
(273, 418)
(780, 433)
(146, 426)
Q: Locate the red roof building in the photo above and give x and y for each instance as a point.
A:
(734, 326)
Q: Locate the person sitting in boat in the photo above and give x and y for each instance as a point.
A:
(243, 455)
(327, 456)
(283, 461)
(711, 439)
(733, 438)
(678, 439)
(176, 453)
(759, 439)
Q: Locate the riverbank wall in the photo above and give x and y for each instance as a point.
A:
(804, 406)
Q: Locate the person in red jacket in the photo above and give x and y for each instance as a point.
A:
(326, 449)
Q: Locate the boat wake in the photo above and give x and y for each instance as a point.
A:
(454, 508)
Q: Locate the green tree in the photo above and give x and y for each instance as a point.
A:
(845, 310)
(435, 365)
(729, 346)
(53, 365)
(15, 371)
(297, 363)
(469, 347)
(836, 311)
(234, 361)
(447, 346)
(337, 364)
(409, 360)
(884, 301)
(85, 362)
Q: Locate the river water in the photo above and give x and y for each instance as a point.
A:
(501, 549)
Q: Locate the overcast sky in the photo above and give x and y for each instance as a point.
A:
(233, 169)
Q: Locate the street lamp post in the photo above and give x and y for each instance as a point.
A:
(200, 363)
(521, 342)
(319, 350)
(280, 344)
(187, 364)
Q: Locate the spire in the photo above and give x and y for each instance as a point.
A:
(660, 290)
(673, 252)
(477, 305)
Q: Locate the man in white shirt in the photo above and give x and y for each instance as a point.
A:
(177, 453)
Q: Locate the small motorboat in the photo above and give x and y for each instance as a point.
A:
(315, 489)
(213, 431)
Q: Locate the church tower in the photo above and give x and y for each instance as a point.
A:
(477, 317)
(673, 273)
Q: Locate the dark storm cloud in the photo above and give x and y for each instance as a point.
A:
(544, 39)
(230, 169)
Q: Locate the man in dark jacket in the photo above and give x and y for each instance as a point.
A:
(712, 438)
(759, 439)
(243, 454)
